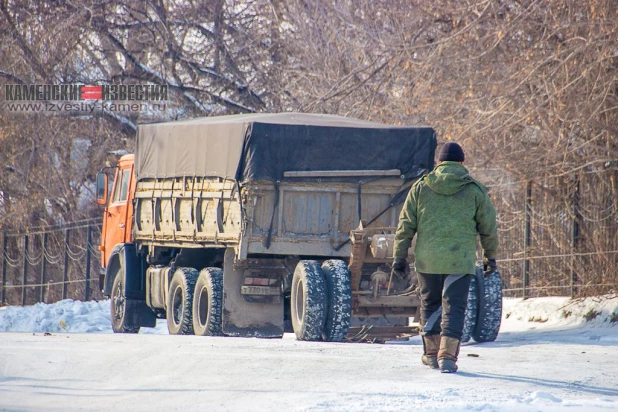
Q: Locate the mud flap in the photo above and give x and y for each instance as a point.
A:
(242, 318)
(139, 314)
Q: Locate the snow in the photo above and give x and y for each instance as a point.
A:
(548, 357)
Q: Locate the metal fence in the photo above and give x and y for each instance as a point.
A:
(559, 236)
(51, 264)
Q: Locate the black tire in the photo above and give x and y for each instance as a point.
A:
(180, 302)
(208, 303)
(339, 313)
(308, 301)
(490, 306)
(471, 311)
(118, 307)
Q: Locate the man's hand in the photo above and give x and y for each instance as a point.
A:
(400, 268)
(489, 266)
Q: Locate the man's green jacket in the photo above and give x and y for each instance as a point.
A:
(446, 209)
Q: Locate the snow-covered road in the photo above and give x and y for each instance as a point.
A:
(562, 362)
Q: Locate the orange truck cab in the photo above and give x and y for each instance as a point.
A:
(118, 213)
(118, 250)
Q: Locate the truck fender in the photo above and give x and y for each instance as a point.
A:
(124, 255)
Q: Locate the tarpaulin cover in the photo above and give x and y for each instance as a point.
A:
(264, 146)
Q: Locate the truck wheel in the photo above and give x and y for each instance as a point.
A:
(308, 301)
(490, 306)
(118, 307)
(208, 302)
(179, 301)
(471, 311)
(339, 313)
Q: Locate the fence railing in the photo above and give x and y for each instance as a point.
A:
(51, 264)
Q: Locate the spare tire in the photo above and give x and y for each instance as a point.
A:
(308, 301)
(471, 311)
(339, 313)
(489, 306)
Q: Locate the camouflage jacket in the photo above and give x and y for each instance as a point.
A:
(446, 210)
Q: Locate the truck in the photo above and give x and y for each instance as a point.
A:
(260, 224)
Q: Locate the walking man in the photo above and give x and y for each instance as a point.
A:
(446, 209)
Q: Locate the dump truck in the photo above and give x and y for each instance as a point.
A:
(260, 224)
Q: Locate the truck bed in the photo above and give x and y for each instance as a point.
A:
(310, 218)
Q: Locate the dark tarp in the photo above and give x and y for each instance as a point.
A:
(264, 146)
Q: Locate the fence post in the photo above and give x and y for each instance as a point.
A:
(66, 264)
(3, 300)
(527, 237)
(87, 286)
(43, 267)
(25, 274)
(574, 235)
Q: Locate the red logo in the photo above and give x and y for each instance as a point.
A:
(91, 92)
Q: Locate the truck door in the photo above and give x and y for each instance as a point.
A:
(115, 226)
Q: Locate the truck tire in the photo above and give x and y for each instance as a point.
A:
(308, 301)
(208, 303)
(180, 300)
(118, 307)
(339, 312)
(471, 311)
(490, 306)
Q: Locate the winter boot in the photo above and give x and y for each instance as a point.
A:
(431, 344)
(447, 355)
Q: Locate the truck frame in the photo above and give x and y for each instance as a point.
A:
(256, 225)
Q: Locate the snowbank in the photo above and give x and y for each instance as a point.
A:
(553, 313)
(64, 316)
(591, 314)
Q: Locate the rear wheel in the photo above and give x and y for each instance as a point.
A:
(180, 300)
(339, 313)
(490, 306)
(308, 301)
(119, 311)
(208, 303)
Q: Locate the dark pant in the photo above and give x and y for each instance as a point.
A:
(443, 303)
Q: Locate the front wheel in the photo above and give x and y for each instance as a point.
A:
(308, 301)
(208, 303)
(119, 311)
(180, 301)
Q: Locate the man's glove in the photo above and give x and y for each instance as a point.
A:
(489, 266)
(400, 268)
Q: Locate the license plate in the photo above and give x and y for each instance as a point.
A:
(260, 290)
